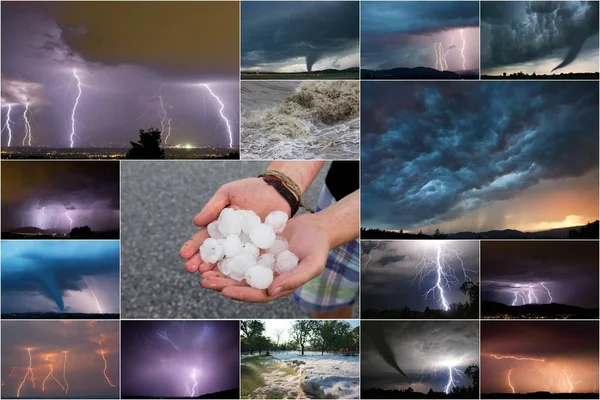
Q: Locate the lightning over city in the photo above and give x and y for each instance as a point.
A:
(420, 40)
(78, 97)
(541, 279)
(200, 359)
(438, 278)
(439, 358)
(529, 357)
(59, 359)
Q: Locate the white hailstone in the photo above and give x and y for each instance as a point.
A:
(285, 262)
(280, 244)
(277, 220)
(262, 236)
(267, 260)
(230, 222)
(225, 266)
(249, 220)
(239, 266)
(211, 251)
(251, 250)
(213, 230)
(259, 277)
(245, 238)
(232, 246)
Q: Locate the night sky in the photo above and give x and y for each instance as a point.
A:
(162, 358)
(123, 53)
(391, 267)
(61, 276)
(420, 349)
(475, 156)
(283, 36)
(566, 351)
(404, 34)
(539, 36)
(46, 194)
(85, 342)
(568, 269)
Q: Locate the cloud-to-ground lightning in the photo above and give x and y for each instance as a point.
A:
(163, 335)
(106, 368)
(73, 134)
(221, 112)
(70, 219)
(27, 123)
(94, 294)
(29, 373)
(7, 125)
(526, 294)
(51, 374)
(190, 390)
(370, 255)
(462, 49)
(65, 373)
(509, 381)
(438, 265)
(547, 291)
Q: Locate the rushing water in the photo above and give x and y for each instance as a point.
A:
(300, 120)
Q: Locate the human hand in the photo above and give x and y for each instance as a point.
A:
(308, 238)
(246, 194)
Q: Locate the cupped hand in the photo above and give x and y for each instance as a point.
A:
(308, 239)
(246, 194)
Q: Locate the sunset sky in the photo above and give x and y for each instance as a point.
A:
(562, 351)
(434, 158)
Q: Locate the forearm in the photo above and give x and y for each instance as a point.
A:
(301, 172)
(341, 220)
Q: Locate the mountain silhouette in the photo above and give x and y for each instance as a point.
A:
(552, 310)
(416, 73)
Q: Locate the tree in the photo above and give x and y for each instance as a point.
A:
(301, 332)
(148, 147)
(253, 336)
(472, 372)
(81, 232)
(277, 333)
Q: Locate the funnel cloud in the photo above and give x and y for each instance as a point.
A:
(539, 36)
(299, 36)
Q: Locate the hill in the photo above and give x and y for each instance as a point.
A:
(492, 309)
(330, 73)
(416, 73)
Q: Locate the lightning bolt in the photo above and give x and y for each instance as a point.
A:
(509, 382)
(73, 134)
(29, 371)
(462, 49)
(105, 368)
(193, 389)
(162, 112)
(51, 374)
(531, 293)
(65, 374)
(7, 125)
(445, 276)
(27, 122)
(168, 130)
(547, 291)
(497, 357)
(221, 112)
(94, 294)
(163, 335)
(69, 218)
(370, 255)
(12, 371)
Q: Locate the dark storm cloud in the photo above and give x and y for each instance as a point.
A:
(518, 32)
(390, 281)
(433, 152)
(280, 31)
(417, 347)
(153, 367)
(50, 268)
(568, 269)
(86, 186)
(417, 17)
(551, 339)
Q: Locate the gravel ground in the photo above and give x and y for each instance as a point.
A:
(158, 202)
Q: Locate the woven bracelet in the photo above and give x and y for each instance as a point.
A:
(283, 190)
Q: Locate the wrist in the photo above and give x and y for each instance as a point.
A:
(301, 172)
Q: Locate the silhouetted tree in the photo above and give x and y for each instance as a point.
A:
(472, 372)
(81, 232)
(148, 147)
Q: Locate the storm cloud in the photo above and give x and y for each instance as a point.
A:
(440, 151)
(278, 34)
(51, 268)
(419, 348)
(527, 32)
